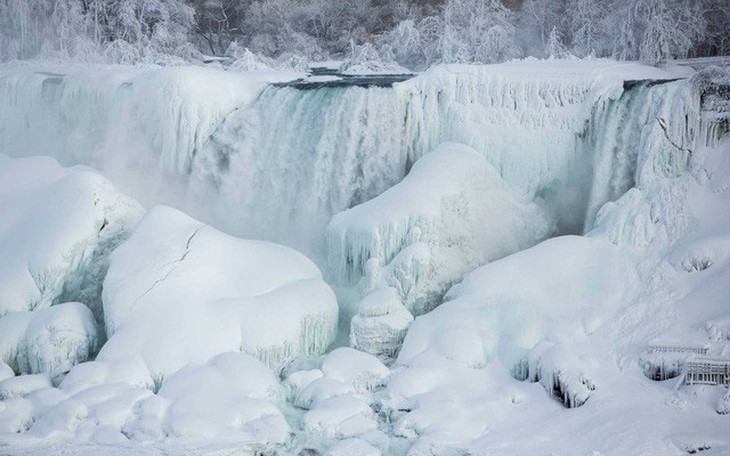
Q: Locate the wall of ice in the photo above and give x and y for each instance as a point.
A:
(277, 163)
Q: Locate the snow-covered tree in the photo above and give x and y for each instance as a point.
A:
(555, 47)
(477, 31)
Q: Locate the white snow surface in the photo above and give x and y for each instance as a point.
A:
(179, 291)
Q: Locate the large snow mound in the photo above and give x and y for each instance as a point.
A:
(57, 229)
(451, 213)
(559, 290)
(179, 291)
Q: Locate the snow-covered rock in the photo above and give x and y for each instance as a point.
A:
(352, 447)
(381, 323)
(181, 292)
(340, 417)
(130, 371)
(59, 226)
(453, 208)
(558, 290)
(230, 396)
(361, 370)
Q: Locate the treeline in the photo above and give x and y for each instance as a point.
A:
(411, 33)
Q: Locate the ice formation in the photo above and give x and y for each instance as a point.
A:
(48, 340)
(179, 291)
(381, 323)
(88, 113)
(455, 205)
(70, 219)
(723, 404)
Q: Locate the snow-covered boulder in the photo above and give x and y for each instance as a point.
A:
(352, 447)
(450, 214)
(361, 370)
(181, 292)
(57, 229)
(381, 323)
(130, 371)
(49, 340)
(232, 395)
(343, 372)
(340, 417)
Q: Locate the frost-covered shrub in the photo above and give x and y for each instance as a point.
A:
(366, 59)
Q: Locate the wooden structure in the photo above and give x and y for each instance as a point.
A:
(707, 371)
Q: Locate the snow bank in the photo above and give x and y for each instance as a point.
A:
(452, 203)
(179, 291)
(58, 228)
(353, 447)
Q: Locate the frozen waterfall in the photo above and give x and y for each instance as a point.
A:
(277, 163)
